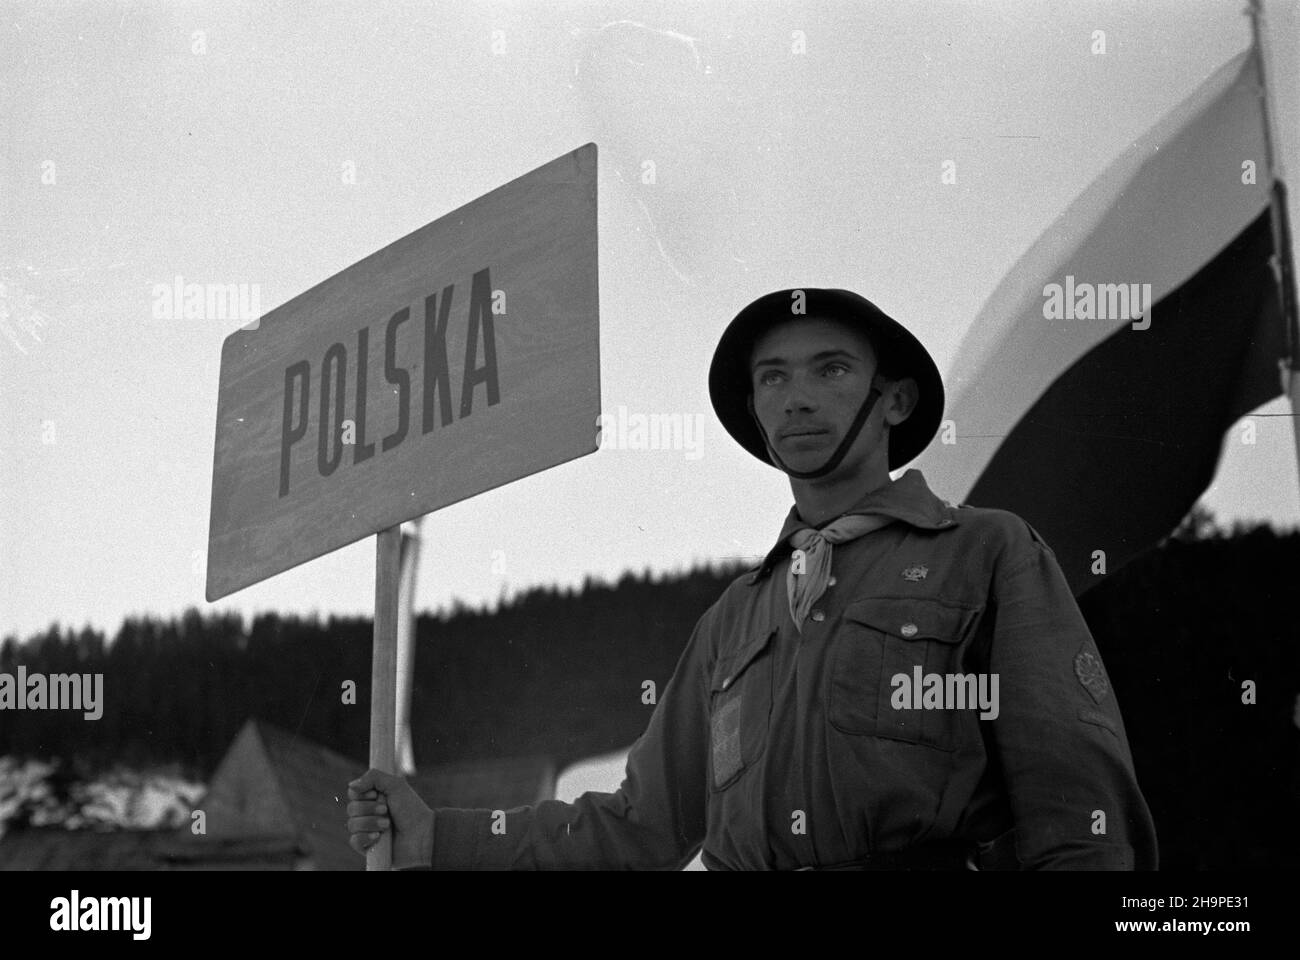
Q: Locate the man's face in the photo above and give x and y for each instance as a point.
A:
(809, 377)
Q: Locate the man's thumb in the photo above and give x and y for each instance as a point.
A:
(376, 780)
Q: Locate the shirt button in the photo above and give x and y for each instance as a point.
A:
(818, 616)
(908, 630)
(830, 582)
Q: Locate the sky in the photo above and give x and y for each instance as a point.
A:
(603, 774)
(791, 144)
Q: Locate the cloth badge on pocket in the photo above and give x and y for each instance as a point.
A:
(726, 741)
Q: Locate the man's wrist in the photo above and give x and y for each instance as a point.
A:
(421, 857)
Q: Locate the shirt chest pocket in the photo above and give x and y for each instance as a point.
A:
(740, 705)
(884, 646)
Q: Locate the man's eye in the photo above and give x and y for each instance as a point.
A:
(766, 378)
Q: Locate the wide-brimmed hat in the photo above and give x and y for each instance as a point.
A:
(730, 382)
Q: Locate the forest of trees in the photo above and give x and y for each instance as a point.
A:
(556, 672)
(560, 673)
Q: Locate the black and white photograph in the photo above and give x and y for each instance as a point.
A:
(612, 435)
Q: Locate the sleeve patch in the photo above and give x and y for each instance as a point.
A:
(1091, 674)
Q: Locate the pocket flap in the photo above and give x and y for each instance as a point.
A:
(912, 618)
(729, 668)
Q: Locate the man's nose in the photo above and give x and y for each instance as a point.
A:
(799, 397)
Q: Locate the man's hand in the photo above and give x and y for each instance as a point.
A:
(378, 801)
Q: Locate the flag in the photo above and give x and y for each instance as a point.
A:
(1092, 393)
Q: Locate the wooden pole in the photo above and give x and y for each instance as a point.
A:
(406, 645)
(383, 674)
(1282, 261)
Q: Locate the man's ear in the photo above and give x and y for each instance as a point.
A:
(899, 399)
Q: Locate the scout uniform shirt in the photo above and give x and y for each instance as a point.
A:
(777, 748)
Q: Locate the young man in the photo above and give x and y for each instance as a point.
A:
(900, 684)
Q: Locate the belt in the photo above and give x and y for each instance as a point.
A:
(937, 855)
(996, 854)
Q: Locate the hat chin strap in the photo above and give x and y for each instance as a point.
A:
(861, 418)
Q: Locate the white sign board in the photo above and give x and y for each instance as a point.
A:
(461, 357)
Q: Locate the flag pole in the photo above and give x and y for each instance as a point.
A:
(1282, 261)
